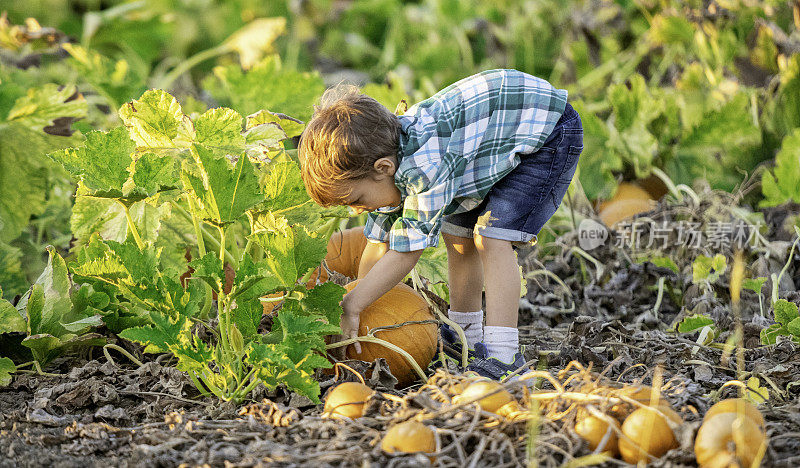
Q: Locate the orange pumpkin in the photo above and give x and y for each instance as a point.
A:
(400, 304)
(629, 200)
(343, 256)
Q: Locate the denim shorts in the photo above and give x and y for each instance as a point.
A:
(518, 205)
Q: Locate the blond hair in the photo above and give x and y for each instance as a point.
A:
(348, 132)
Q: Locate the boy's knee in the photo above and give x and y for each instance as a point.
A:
(491, 246)
(461, 245)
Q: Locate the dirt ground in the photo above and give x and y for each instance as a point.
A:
(614, 315)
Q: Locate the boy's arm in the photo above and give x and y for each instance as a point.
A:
(373, 252)
(383, 276)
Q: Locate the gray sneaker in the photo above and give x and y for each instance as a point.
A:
(491, 367)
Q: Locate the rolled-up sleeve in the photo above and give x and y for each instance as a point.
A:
(428, 194)
(379, 225)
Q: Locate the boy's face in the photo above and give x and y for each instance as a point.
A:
(375, 191)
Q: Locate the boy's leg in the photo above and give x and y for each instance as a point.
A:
(465, 279)
(502, 279)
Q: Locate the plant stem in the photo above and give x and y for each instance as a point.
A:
(206, 235)
(776, 280)
(253, 384)
(123, 352)
(200, 387)
(236, 393)
(659, 297)
(393, 347)
(190, 62)
(132, 227)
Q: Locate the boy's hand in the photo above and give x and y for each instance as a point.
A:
(351, 318)
(385, 274)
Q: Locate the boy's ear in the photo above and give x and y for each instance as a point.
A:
(385, 166)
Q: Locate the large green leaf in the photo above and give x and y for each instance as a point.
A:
(290, 126)
(26, 175)
(156, 121)
(783, 183)
(165, 331)
(10, 318)
(285, 192)
(102, 163)
(785, 311)
(220, 129)
(12, 278)
(268, 85)
(40, 107)
(225, 192)
(7, 367)
(274, 367)
(48, 302)
(291, 250)
(106, 217)
(708, 268)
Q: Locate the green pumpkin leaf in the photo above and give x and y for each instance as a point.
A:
(290, 126)
(291, 251)
(769, 335)
(793, 327)
(694, 322)
(754, 284)
(785, 311)
(708, 269)
(152, 173)
(10, 318)
(166, 331)
(220, 129)
(225, 192)
(45, 347)
(783, 183)
(48, 301)
(266, 86)
(40, 107)
(102, 163)
(156, 121)
(7, 368)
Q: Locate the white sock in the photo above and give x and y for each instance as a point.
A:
(501, 342)
(471, 322)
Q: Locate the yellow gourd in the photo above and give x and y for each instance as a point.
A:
(347, 399)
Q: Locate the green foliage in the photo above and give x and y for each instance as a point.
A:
(389, 95)
(53, 320)
(788, 318)
(115, 80)
(268, 85)
(26, 175)
(694, 322)
(7, 367)
(226, 176)
(782, 184)
(754, 284)
(708, 269)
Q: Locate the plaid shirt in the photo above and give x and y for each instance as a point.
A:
(455, 145)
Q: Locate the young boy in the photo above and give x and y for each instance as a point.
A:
(486, 162)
